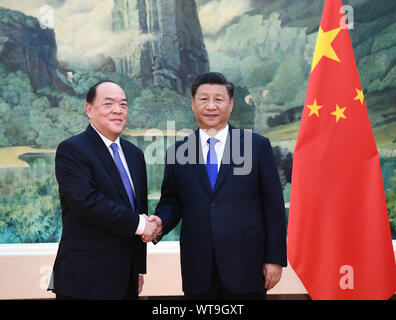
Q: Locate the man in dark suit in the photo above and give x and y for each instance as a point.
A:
(233, 233)
(103, 194)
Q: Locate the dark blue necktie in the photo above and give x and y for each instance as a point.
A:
(211, 162)
(123, 174)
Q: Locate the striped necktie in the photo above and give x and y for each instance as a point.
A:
(123, 174)
(211, 162)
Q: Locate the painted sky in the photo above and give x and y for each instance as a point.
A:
(83, 28)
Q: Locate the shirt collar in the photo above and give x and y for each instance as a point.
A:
(221, 136)
(106, 141)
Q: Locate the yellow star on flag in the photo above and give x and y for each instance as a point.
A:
(359, 96)
(323, 46)
(314, 108)
(339, 113)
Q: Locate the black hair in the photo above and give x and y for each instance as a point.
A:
(91, 94)
(212, 78)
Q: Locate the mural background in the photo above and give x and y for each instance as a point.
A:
(51, 52)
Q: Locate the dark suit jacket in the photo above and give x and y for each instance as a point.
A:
(242, 221)
(98, 248)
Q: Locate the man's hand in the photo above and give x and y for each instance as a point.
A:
(152, 229)
(272, 274)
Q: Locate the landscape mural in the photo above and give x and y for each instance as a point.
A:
(51, 52)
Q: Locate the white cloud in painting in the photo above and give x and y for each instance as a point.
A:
(218, 13)
(82, 28)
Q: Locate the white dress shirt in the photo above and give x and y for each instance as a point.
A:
(221, 137)
(108, 143)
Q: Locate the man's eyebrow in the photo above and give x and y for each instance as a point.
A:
(111, 99)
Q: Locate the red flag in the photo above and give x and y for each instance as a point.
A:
(339, 240)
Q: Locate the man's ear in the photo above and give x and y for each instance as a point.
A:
(88, 109)
(192, 103)
(231, 104)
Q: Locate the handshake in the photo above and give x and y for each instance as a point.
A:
(152, 229)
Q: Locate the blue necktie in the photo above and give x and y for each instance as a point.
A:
(123, 174)
(211, 162)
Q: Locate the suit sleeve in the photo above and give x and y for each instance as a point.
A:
(80, 197)
(168, 208)
(141, 247)
(273, 207)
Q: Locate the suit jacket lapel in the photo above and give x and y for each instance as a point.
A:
(108, 163)
(226, 162)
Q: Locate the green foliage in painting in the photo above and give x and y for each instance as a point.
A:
(155, 106)
(389, 177)
(29, 209)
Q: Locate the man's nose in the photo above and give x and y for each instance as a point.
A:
(116, 108)
(211, 104)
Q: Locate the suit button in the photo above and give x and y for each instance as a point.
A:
(212, 204)
(210, 231)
